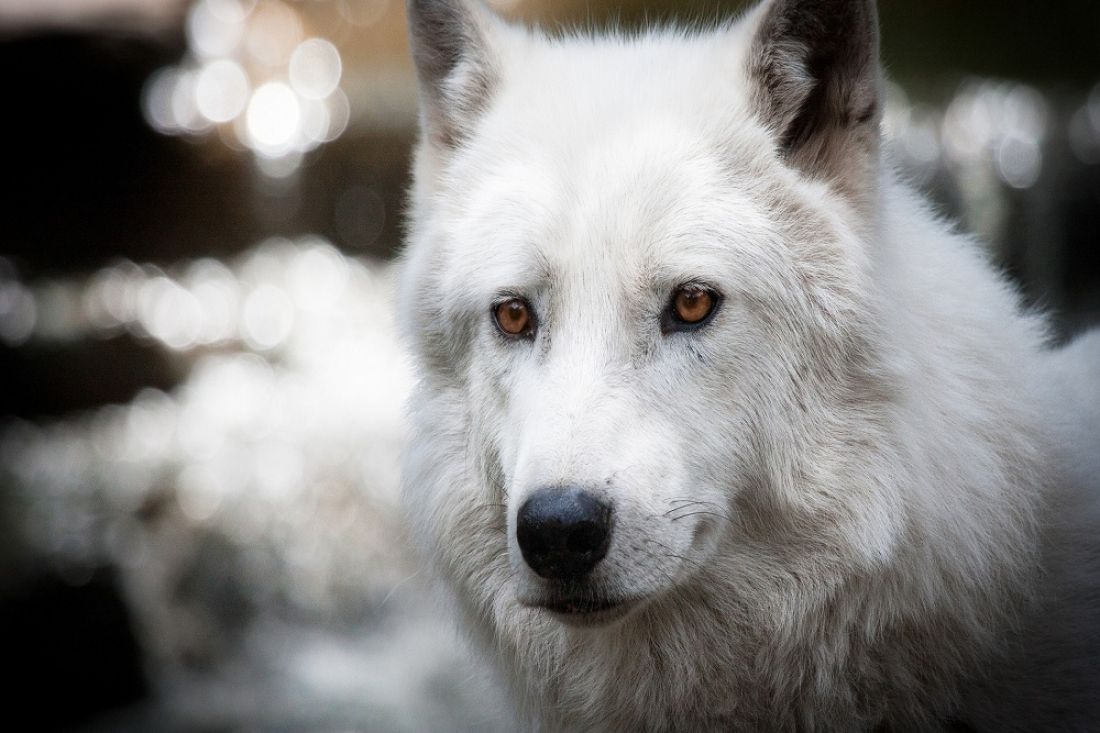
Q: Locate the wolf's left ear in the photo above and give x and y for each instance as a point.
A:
(815, 64)
(451, 42)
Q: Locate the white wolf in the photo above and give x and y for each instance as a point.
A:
(718, 427)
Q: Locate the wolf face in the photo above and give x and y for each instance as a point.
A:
(643, 300)
(717, 427)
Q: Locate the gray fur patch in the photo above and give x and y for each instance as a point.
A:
(453, 63)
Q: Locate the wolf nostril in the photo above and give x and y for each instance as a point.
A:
(586, 538)
(563, 532)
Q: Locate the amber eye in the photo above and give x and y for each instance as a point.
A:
(514, 317)
(691, 306)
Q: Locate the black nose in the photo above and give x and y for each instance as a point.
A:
(563, 532)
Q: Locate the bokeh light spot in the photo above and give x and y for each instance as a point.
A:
(1019, 161)
(221, 90)
(273, 31)
(18, 313)
(156, 101)
(214, 27)
(274, 119)
(268, 318)
(315, 68)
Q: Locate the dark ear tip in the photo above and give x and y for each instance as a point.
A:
(437, 8)
(430, 13)
(418, 5)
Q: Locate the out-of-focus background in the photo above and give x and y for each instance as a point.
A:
(200, 405)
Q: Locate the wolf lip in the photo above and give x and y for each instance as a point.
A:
(582, 606)
(588, 611)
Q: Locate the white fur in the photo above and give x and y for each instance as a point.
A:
(896, 494)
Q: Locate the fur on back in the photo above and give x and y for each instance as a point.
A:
(891, 499)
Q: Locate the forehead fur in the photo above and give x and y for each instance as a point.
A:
(649, 204)
(564, 95)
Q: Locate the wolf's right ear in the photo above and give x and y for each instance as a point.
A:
(451, 42)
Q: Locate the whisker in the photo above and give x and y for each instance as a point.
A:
(720, 515)
(396, 587)
(687, 505)
(669, 553)
(686, 561)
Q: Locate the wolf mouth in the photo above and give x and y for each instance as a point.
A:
(588, 611)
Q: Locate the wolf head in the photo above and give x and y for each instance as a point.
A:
(636, 286)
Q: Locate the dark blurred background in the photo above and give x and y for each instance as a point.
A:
(200, 412)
